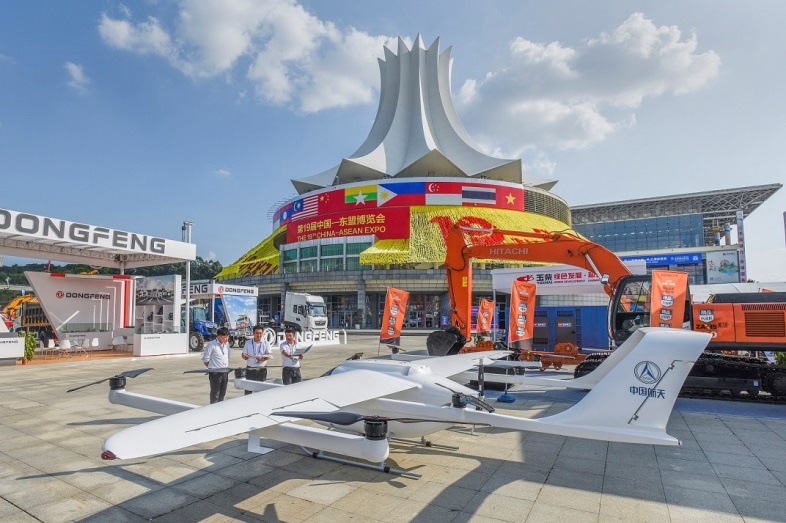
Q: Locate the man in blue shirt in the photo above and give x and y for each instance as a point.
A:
(216, 356)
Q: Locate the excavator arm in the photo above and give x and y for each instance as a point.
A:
(546, 247)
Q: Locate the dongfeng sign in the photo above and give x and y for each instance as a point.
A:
(32, 226)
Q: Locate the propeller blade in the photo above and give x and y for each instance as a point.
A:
(126, 374)
(89, 384)
(133, 373)
(477, 402)
(472, 400)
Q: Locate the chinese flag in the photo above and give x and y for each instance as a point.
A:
(393, 317)
(522, 315)
(485, 316)
(667, 303)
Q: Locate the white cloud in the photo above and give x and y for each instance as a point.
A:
(78, 80)
(549, 95)
(554, 96)
(222, 173)
(5, 58)
(125, 10)
(146, 37)
(289, 56)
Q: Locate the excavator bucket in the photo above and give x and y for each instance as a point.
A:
(445, 342)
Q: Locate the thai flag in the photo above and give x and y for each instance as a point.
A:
(483, 195)
(305, 208)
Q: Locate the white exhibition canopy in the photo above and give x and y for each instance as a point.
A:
(31, 236)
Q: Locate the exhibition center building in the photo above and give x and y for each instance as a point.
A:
(380, 218)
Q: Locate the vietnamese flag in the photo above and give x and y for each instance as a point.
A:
(510, 198)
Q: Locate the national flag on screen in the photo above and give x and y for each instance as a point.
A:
(357, 196)
(331, 201)
(482, 195)
(305, 207)
(408, 193)
(510, 198)
(443, 193)
(283, 216)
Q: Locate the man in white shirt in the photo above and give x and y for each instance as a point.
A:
(256, 352)
(216, 356)
(290, 359)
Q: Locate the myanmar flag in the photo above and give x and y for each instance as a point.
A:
(365, 195)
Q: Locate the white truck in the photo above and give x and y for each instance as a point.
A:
(304, 312)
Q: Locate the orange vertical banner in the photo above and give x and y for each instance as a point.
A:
(393, 317)
(522, 315)
(485, 316)
(667, 302)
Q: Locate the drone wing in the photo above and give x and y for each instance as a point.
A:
(447, 366)
(252, 412)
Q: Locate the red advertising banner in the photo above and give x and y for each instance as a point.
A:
(485, 316)
(386, 223)
(522, 315)
(393, 317)
(667, 301)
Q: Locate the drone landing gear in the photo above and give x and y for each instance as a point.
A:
(255, 445)
(425, 443)
(381, 467)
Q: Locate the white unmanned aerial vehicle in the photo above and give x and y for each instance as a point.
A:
(367, 402)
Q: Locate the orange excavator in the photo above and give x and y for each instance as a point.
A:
(565, 247)
(738, 321)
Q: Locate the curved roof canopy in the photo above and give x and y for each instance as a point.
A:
(717, 207)
(417, 131)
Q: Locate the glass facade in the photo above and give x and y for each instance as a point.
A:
(332, 264)
(423, 311)
(332, 250)
(311, 256)
(357, 248)
(664, 232)
(341, 310)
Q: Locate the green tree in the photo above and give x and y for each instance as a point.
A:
(201, 269)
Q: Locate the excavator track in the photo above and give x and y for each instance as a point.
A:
(723, 377)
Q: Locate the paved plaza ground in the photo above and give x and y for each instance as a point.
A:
(731, 467)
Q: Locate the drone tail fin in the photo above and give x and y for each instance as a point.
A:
(635, 399)
(589, 381)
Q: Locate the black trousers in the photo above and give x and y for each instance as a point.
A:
(290, 375)
(218, 386)
(255, 374)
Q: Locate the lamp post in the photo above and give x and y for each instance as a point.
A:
(186, 230)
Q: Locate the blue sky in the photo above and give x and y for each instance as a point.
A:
(138, 116)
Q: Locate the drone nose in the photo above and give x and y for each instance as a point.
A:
(108, 455)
